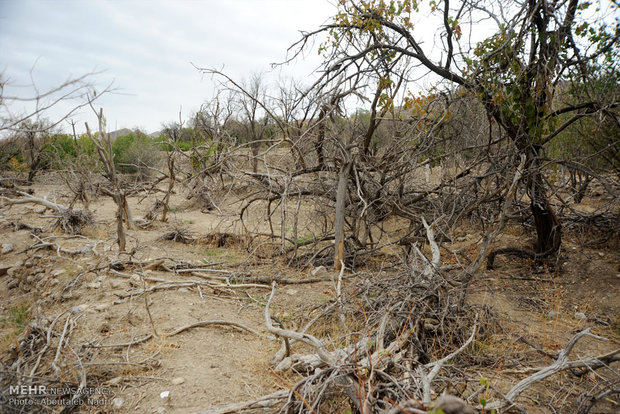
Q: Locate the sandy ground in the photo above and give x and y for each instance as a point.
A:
(206, 367)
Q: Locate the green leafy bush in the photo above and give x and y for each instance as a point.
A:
(10, 155)
(58, 150)
(62, 150)
(135, 153)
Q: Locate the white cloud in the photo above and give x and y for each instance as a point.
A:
(147, 47)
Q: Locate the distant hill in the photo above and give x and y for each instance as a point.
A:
(124, 131)
(119, 133)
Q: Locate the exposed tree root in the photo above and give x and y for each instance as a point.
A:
(514, 251)
(182, 329)
(179, 235)
(69, 220)
(562, 363)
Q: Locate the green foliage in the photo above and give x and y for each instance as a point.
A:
(590, 141)
(120, 149)
(163, 143)
(521, 84)
(185, 145)
(59, 149)
(199, 160)
(64, 144)
(515, 72)
(134, 153)
(18, 318)
(176, 133)
(166, 146)
(14, 324)
(10, 155)
(86, 146)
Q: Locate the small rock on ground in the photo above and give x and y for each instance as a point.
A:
(177, 381)
(7, 248)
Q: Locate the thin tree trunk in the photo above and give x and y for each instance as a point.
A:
(318, 145)
(107, 158)
(171, 179)
(119, 223)
(341, 194)
(283, 216)
(548, 228)
(255, 151)
(126, 211)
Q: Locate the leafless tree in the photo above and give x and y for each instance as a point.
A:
(103, 144)
(253, 119)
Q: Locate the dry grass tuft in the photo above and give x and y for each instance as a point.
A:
(223, 240)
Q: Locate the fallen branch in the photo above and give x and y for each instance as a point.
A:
(36, 200)
(88, 248)
(325, 356)
(591, 364)
(262, 402)
(436, 366)
(182, 329)
(561, 364)
(258, 279)
(172, 284)
(219, 323)
(433, 266)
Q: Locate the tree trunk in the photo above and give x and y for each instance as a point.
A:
(170, 186)
(126, 210)
(31, 174)
(255, 150)
(34, 168)
(318, 145)
(119, 223)
(341, 194)
(548, 228)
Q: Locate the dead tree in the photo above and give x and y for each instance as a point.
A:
(213, 137)
(254, 125)
(172, 149)
(77, 173)
(359, 170)
(103, 144)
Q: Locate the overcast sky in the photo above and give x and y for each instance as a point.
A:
(146, 48)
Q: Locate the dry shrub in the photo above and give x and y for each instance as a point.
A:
(74, 221)
(182, 235)
(223, 240)
(179, 235)
(417, 315)
(158, 206)
(201, 197)
(426, 304)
